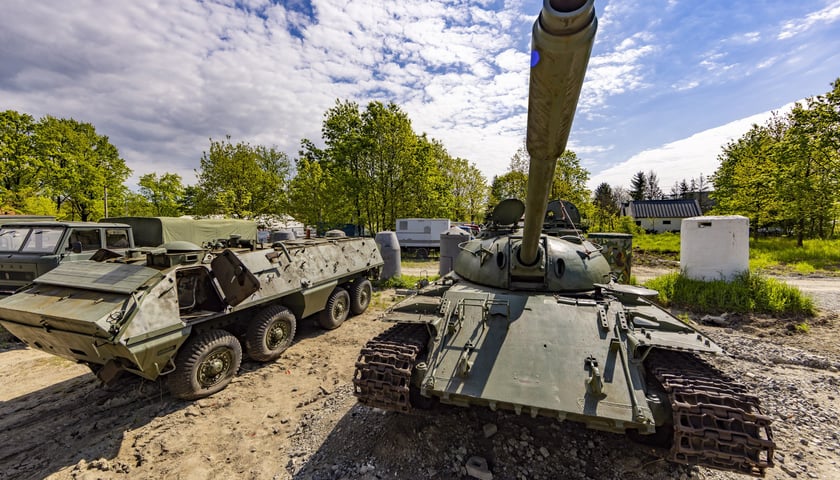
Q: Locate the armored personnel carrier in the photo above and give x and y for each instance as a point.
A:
(188, 313)
(531, 322)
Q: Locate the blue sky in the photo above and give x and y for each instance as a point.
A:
(669, 82)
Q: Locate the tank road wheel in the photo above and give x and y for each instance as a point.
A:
(360, 294)
(205, 365)
(270, 333)
(338, 306)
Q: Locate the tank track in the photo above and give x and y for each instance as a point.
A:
(383, 369)
(717, 423)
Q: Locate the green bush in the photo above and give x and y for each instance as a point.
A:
(748, 293)
(628, 225)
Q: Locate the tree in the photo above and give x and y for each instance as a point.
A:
(746, 178)
(19, 164)
(309, 192)
(163, 193)
(381, 170)
(508, 185)
(241, 180)
(638, 186)
(82, 166)
(786, 172)
(652, 190)
(468, 188)
(605, 209)
(570, 180)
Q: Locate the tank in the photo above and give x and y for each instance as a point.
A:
(188, 313)
(531, 321)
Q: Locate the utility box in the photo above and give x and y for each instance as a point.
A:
(389, 248)
(450, 242)
(715, 247)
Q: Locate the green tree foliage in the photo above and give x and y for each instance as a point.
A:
(786, 173)
(241, 180)
(638, 186)
(374, 169)
(163, 193)
(81, 164)
(62, 160)
(569, 180)
(605, 208)
(468, 188)
(311, 193)
(19, 163)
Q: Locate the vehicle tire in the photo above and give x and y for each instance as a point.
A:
(361, 292)
(421, 254)
(270, 333)
(338, 306)
(205, 364)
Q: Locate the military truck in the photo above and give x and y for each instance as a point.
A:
(30, 248)
(188, 313)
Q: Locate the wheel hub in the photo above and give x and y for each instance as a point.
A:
(276, 336)
(213, 369)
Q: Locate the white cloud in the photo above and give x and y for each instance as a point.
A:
(682, 159)
(827, 15)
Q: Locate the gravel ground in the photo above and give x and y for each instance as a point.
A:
(297, 418)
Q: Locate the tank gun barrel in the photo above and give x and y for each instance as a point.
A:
(561, 44)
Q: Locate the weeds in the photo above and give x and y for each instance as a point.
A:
(404, 281)
(748, 293)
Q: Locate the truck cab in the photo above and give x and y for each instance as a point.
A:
(30, 249)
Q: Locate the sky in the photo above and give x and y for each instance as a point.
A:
(668, 84)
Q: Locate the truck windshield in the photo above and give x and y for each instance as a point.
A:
(30, 239)
(11, 238)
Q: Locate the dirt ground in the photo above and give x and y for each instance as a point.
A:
(297, 417)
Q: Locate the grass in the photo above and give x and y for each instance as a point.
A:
(782, 253)
(748, 293)
(404, 281)
(766, 254)
(658, 243)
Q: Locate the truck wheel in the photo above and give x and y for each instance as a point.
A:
(338, 306)
(270, 333)
(360, 294)
(205, 365)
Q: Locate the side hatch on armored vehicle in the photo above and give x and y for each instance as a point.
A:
(236, 281)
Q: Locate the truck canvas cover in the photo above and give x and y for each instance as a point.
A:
(155, 231)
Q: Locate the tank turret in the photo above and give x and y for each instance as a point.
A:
(561, 45)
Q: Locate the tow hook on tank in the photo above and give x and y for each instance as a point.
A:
(594, 384)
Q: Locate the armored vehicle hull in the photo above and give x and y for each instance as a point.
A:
(531, 319)
(188, 313)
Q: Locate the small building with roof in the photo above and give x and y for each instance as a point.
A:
(659, 216)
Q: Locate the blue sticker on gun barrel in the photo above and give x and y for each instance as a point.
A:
(535, 58)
